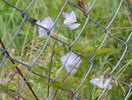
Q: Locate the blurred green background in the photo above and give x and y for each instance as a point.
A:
(27, 45)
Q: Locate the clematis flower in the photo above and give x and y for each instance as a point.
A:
(101, 82)
(46, 23)
(70, 19)
(71, 62)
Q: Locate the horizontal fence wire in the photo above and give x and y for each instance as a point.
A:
(6, 54)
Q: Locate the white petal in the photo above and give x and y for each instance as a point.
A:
(100, 84)
(72, 70)
(38, 22)
(101, 77)
(73, 26)
(71, 61)
(77, 62)
(106, 83)
(65, 15)
(63, 59)
(46, 23)
(94, 81)
(69, 58)
(74, 60)
(97, 82)
(42, 32)
(71, 18)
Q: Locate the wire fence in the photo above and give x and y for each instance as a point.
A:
(6, 54)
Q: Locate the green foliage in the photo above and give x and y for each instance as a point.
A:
(103, 51)
(12, 67)
(27, 45)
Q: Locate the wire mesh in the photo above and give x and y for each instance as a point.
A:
(92, 65)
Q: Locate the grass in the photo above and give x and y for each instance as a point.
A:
(27, 45)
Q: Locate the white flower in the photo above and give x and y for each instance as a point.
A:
(71, 62)
(46, 23)
(97, 81)
(70, 18)
(4, 81)
(101, 82)
(106, 83)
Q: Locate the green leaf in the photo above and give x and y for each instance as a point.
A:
(0, 35)
(13, 1)
(83, 86)
(10, 85)
(56, 84)
(58, 49)
(103, 51)
(14, 92)
(12, 67)
(67, 85)
(3, 86)
(8, 88)
(37, 70)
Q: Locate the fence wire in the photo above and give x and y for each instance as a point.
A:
(6, 54)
